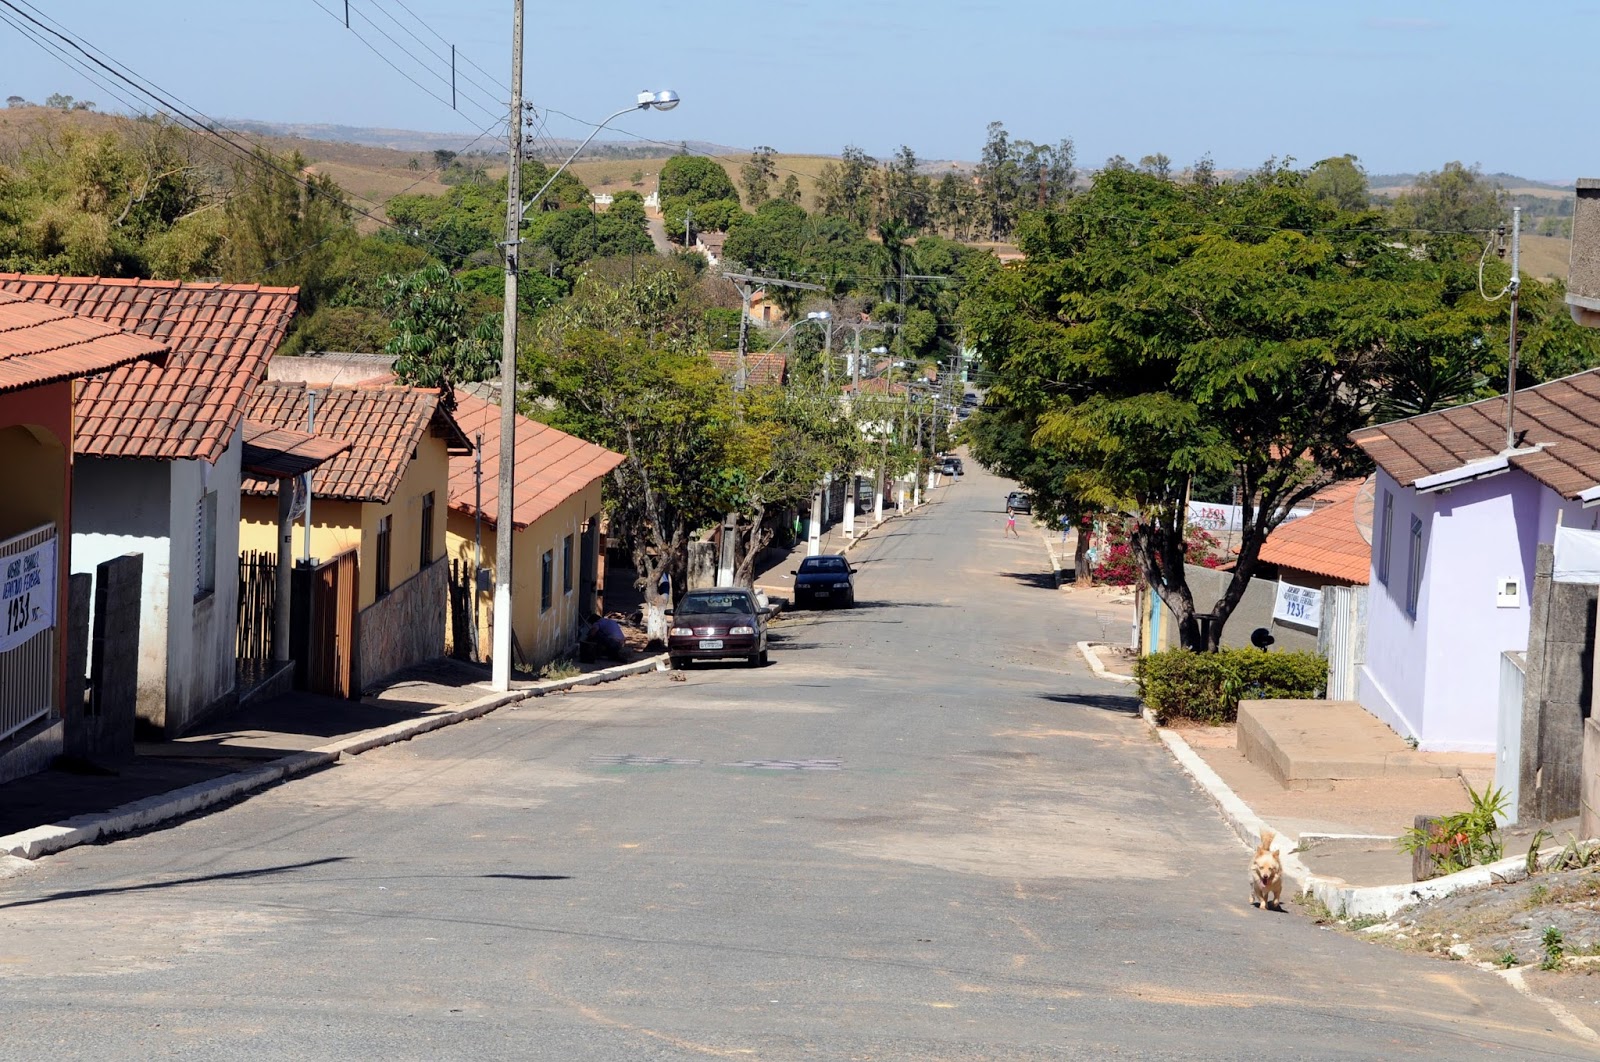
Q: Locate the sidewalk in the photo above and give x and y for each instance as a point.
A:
(253, 747)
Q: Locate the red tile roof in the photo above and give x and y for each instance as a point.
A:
(876, 385)
(551, 465)
(766, 369)
(1328, 542)
(1563, 415)
(383, 425)
(278, 453)
(41, 344)
(220, 337)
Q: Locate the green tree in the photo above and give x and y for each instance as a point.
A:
(1186, 342)
(464, 222)
(669, 414)
(434, 341)
(717, 215)
(696, 179)
(1455, 199)
(279, 225)
(758, 175)
(1340, 181)
(790, 192)
(845, 188)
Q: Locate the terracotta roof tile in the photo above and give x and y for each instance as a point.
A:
(1562, 415)
(277, 453)
(383, 425)
(42, 344)
(768, 369)
(1327, 542)
(551, 466)
(220, 336)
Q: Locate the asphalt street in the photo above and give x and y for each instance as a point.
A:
(926, 831)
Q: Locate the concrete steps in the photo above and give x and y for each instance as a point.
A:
(1312, 744)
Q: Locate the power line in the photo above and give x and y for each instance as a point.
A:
(496, 90)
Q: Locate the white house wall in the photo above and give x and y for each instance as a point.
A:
(120, 506)
(201, 633)
(186, 647)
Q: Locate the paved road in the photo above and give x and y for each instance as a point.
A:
(925, 832)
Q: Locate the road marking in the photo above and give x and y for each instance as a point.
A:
(1570, 1021)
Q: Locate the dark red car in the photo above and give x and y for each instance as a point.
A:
(723, 623)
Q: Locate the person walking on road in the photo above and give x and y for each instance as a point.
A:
(1011, 522)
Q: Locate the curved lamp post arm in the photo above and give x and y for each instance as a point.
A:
(663, 101)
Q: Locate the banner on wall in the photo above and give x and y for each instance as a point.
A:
(1299, 605)
(27, 593)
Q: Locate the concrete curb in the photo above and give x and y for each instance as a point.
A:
(164, 807)
(1338, 895)
(1093, 659)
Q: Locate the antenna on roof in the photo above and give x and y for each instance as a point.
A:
(1511, 360)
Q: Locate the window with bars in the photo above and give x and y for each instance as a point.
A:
(205, 545)
(547, 574)
(566, 565)
(427, 530)
(385, 527)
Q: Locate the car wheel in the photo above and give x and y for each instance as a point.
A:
(763, 658)
(850, 602)
(754, 660)
(678, 662)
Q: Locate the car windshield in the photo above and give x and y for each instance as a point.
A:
(712, 604)
(823, 564)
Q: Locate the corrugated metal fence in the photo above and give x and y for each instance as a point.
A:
(1342, 638)
(28, 671)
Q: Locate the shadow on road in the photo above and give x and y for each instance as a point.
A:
(1106, 702)
(232, 875)
(1041, 580)
(529, 877)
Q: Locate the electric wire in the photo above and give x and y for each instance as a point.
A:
(498, 91)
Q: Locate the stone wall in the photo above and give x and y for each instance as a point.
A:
(1557, 694)
(404, 627)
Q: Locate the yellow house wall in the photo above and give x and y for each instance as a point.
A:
(543, 635)
(337, 526)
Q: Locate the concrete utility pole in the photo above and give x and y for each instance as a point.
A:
(505, 513)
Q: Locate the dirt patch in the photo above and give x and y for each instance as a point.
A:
(1503, 925)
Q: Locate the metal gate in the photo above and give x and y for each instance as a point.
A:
(28, 568)
(331, 648)
(258, 606)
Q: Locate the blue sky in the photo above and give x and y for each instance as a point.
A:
(1405, 86)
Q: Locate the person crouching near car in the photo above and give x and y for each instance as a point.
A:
(605, 638)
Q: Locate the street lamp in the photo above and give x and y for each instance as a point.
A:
(516, 211)
(826, 319)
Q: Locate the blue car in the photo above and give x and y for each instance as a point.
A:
(824, 580)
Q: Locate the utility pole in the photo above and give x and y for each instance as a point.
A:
(505, 513)
(1511, 361)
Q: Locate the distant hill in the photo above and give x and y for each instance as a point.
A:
(415, 140)
(1391, 183)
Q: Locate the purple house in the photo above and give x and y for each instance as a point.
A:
(1456, 523)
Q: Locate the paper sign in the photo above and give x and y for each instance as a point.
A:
(1299, 605)
(27, 594)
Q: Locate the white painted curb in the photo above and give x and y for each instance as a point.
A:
(164, 807)
(1340, 897)
(1093, 659)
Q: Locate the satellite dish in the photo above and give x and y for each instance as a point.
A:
(1365, 500)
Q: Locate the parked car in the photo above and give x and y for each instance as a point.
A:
(824, 580)
(1018, 501)
(970, 399)
(722, 623)
(950, 466)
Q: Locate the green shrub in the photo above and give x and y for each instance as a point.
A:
(1208, 687)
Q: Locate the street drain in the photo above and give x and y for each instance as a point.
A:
(788, 765)
(630, 759)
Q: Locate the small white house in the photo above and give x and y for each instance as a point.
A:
(156, 470)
